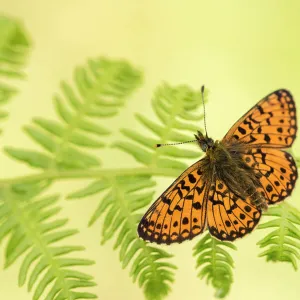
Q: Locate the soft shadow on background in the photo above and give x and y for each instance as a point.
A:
(241, 50)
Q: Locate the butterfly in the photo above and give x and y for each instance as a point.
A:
(239, 176)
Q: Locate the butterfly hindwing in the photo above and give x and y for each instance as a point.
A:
(228, 216)
(277, 172)
(270, 123)
(180, 212)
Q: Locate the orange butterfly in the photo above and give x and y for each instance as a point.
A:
(239, 177)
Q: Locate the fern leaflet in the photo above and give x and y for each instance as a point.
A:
(101, 89)
(173, 106)
(215, 263)
(283, 242)
(14, 47)
(33, 232)
(120, 206)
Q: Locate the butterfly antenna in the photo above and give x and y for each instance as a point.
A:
(192, 141)
(172, 144)
(202, 96)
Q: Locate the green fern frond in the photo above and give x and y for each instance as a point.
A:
(101, 90)
(14, 47)
(282, 243)
(123, 198)
(33, 232)
(175, 108)
(215, 264)
(120, 206)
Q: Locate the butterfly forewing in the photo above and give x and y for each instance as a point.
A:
(271, 122)
(180, 212)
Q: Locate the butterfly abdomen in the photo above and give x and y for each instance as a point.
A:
(229, 167)
(258, 200)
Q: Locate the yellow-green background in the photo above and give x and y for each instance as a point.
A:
(241, 50)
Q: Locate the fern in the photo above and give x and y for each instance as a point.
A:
(101, 89)
(120, 205)
(175, 108)
(282, 243)
(14, 46)
(215, 263)
(33, 232)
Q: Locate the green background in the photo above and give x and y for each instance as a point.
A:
(241, 50)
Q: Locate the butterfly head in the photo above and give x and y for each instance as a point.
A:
(204, 142)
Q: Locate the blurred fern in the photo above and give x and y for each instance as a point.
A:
(123, 201)
(175, 107)
(120, 205)
(282, 243)
(215, 263)
(29, 223)
(101, 89)
(14, 48)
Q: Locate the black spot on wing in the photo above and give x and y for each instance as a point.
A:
(241, 130)
(192, 178)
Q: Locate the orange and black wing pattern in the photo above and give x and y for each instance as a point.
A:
(197, 200)
(228, 216)
(276, 170)
(270, 123)
(180, 212)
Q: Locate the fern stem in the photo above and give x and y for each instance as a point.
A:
(101, 173)
(73, 126)
(282, 231)
(213, 256)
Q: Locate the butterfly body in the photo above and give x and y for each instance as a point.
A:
(225, 163)
(238, 177)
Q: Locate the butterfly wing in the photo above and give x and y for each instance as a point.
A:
(270, 123)
(276, 170)
(228, 216)
(180, 212)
